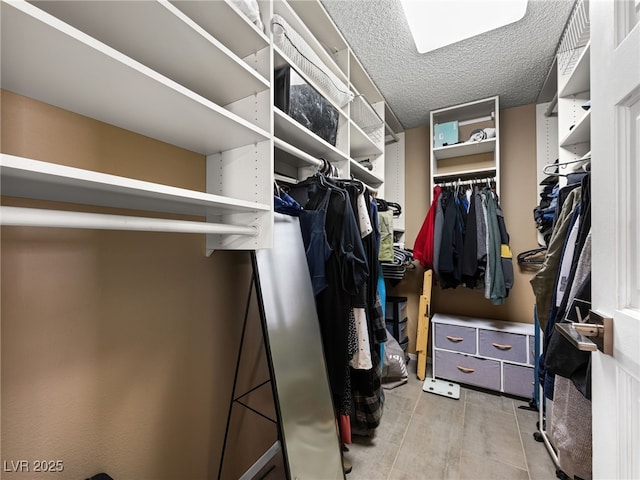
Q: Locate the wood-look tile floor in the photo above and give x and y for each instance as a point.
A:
(425, 436)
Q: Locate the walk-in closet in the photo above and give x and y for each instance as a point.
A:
(319, 239)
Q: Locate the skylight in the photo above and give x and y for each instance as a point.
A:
(437, 23)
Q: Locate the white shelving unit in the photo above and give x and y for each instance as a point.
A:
(198, 75)
(354, 142)
(574, 122)
(467, 160)
(110, 62)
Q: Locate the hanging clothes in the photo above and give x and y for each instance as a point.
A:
(438, 223)
(318, 250)
(470, 273)
(481, 234)
(385, 219)
(495, 289)
(423, 247)
(578, 252)
(465, 239)
(451, 246)
(499, 256)
(346, 272)
(341, 235)
(563, 293)
(544, 280)
(571, 430)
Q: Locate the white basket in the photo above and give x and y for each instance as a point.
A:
(574, 38)
(365, 116)
(308, 61)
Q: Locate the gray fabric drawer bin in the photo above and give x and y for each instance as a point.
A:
(465, 369)
(453, 337)
(503, 345)
(518, 380)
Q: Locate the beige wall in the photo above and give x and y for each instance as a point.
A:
(518, 194)
(118, 348)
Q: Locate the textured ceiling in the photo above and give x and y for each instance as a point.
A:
(511, 61)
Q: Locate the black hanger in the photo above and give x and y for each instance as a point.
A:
(383, 206)
(397, 209)
(532, 257)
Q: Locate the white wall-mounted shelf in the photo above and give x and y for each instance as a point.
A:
(285, 10)
(287, 129)
(293, 156)
(464, 149)
(314, 15)
(466, 174)
(580, 133)
(579, 79)
(361, 144)
(238, 34)
(361, 81)
(45, 59)
(155, 34)
(365, 175)
(28, 178)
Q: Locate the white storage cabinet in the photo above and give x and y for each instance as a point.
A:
(491, 354)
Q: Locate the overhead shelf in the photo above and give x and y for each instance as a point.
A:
(362, 82)
(324, 30)
(48, 60)
(155, 34)
(291, 17)
(466, 112)
(465, 149)
(465, 174)
(293, 156)
(295, 134)
(580, 79)
(361, 144)
(581, 133)
(364, 175)
(27, 178)
(239, 34)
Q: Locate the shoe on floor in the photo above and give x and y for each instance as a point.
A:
(346, 465)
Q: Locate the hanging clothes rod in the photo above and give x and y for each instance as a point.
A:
(461, 181)
(296, 152)
(391, 133)
(37, 217)
(552, 104)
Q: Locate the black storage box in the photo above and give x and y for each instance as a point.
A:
(294, 96)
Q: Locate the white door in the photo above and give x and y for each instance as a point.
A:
(615, 144)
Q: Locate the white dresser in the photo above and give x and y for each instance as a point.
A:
(491, 354)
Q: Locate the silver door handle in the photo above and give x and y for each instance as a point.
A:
(592, 336)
